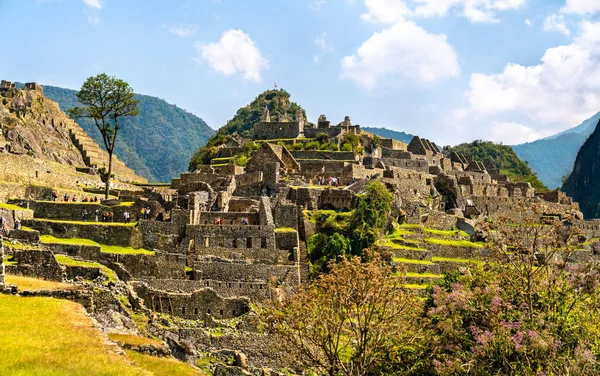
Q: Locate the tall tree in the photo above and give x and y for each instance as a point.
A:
(105, 100)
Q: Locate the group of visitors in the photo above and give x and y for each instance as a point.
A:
(145, 213)
(126, 216)
(332, 181)
(67, 198)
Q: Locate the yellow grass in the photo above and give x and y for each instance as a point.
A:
(52, 337)
(133, 340)
(34, 284)
(163, 366)
(49, 239)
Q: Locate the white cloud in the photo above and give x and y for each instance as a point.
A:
(404, 50)
(527, 22)
(392, 11)
(97, 4)
(581, 6)
(564, 89)
(184, 31)
(514, 133)
(556, 22)
(322, 43)
(93, 19)
(475, 10)
(385, 11)
(234, 53)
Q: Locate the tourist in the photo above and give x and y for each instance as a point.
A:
(95, 198)
(85, 215)
(96, 213)
(54, 196)
(126, 216)
(148, 213)
(17, 223)
(142, 213)
(74, 198)
(111, 215)
(66, 198)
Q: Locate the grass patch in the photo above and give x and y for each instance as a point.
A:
(163, 366)
(410, 225)
(133, 340)
(459, 260)
(152, 184)
(412, 261)
(67, 261)
(45, 336)
(446, 232)
(398, 233)
(21, 246)
(89, 223)
(11, 207)
(391, 244)
(424, 275)
(454, 243)
(34, 284)
(285, 229)
(414, 286)
(49, 239)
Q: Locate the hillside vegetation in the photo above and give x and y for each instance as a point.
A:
(280, 108)
(505, 159)
(157, 144)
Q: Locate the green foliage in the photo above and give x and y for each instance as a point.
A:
(280, 108)
(170, 135)
(505, 159)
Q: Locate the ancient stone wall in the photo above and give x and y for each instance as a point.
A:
(327, 155)
(286, 216)
(229, 218)
(268, 256)
(237, 271)
(230, 236)
(336, 199)
(36, 264)
(127, 236)
(193, 306)
(256, 291)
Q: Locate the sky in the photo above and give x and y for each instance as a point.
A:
(453, 71)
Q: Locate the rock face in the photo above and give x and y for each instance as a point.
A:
(584, 182)
(33, 125)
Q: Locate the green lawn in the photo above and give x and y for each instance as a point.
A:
(134, 340)
(67, 261)
(11, 207)
(424, 275)
(48, 239)
(391, 244)
(89, 223)
(285, 229)
(52, 337)
(454, 243)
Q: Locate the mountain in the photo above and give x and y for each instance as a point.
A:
(157, 144)
(505, 159)
(280, 108)
(387, 133)
(552, 158)
(583, 184)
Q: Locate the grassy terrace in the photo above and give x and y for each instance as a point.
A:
(90, 223)
(48, 239)
(163, 366)
(67, 261)
(45, 336)
(412, 261)
(285, 229)
(11, 207)
(133, 340)
(454, 243)
(458, 260)
(152, 184)
(34, 284)
(391, 244)
(59, 202)
(446, 232)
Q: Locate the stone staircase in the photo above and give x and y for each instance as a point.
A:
(303, 262)
(94, 155)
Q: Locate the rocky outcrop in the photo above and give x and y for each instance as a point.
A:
(584, 182)
(33, 125)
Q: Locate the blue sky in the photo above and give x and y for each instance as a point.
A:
(449, 70)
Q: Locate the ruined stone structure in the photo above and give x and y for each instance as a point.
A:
(300, 128)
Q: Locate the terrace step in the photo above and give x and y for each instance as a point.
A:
(417, 266)
(412, 254)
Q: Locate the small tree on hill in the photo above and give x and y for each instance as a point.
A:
(105, 100)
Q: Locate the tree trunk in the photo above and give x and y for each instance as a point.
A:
(107, 189)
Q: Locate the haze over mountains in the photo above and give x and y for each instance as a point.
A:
(552, 158)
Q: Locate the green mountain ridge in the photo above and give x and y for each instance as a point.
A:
(505, 159)
(388, 133)
(552, 158)
(157, 144)
(280, 108)
(583, 184)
